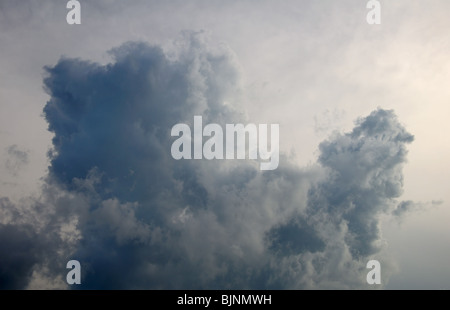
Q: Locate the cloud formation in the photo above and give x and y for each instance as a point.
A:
(16, 159)
(116, 200)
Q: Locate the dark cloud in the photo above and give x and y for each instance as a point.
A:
(294, 238)
(404, 207)
(37, 236)
(365, 176)
(19, 251)
(134, 217)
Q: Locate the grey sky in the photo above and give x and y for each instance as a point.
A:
(311, 66)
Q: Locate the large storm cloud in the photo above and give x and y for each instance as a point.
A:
(117, 201)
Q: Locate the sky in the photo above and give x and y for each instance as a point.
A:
(86, 170)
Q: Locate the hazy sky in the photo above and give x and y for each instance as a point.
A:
(314, 67)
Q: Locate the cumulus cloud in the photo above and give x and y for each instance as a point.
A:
(116, 200)
(366, 174)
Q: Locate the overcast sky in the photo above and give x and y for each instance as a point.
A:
(105, 190)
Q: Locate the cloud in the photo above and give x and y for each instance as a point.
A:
(116, 200)
(16, 158)
(20, 248)
(366, 175)
(406, 207)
